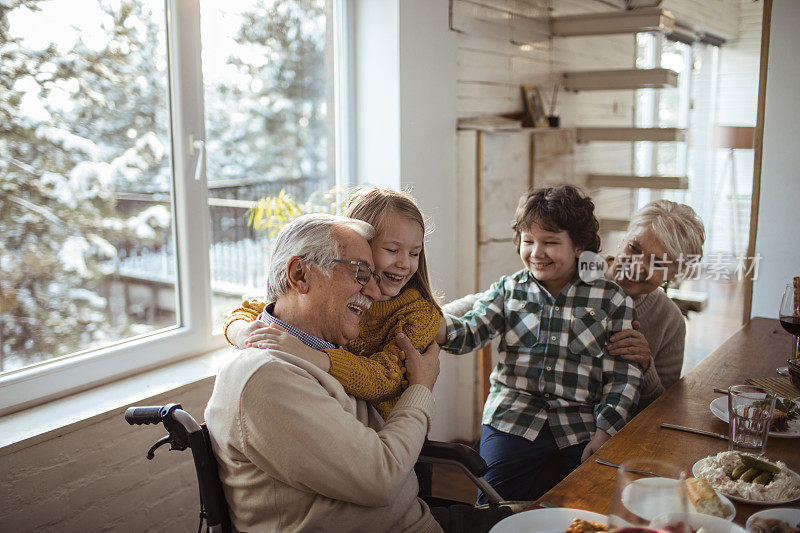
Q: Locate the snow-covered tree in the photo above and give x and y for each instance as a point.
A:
(266, 119)
(60, 167)
(84, 117)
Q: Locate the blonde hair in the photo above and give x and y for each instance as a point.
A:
(677, 226)
(374, 205)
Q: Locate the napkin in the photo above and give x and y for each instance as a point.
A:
(783, 387)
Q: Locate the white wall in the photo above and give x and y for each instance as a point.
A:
(377, 93)
(778, 213)
(94, 476)
(405, 129)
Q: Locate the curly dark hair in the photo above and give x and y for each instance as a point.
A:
(561, 208)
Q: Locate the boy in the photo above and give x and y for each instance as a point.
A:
(555, 395)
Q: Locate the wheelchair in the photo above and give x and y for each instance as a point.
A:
(184, 432)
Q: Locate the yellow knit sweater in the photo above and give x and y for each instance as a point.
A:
(371, 366)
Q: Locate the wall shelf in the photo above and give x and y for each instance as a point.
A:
(613, 224)
(628, 21)
(631, 134)
(637, 182)
(600, 80)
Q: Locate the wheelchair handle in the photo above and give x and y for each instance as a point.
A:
(152, 414)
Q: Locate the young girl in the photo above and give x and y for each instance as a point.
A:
(371, 366)
(556, 395)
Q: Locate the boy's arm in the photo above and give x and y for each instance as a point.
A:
(480, 325)
(248, 311)
(621, 379)
(462, 305)
(381, 375)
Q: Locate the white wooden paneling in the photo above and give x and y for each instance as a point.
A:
(495, 21)
(488, 90)
(505, 170)
(720, 17)
(497, 258)
(739, 63)
(492, 64)
(466, 199)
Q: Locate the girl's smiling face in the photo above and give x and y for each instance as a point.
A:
(549, 255)
(395, 250)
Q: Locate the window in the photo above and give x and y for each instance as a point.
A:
(115, 128)
(662, 108)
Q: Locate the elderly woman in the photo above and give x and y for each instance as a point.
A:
(663, 240)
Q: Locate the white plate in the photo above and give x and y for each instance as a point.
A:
(710, 524)
(720, 409)
(696, 473)
(544, 521)
(652, 496)
(790, 516)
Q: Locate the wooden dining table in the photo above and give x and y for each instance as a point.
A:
(755, 351)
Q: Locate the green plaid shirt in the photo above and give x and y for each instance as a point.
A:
(555, 368)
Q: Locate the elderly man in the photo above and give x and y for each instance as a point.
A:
(296, 452)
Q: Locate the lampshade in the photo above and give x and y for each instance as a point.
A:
(736, 137)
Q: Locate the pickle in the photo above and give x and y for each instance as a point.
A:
(738, 471)
(752, 462)
(750, 475)
(764, 478)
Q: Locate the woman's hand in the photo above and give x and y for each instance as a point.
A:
(630, 345)
(599, 438)
(274, 337)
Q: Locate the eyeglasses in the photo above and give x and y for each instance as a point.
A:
(363, 271)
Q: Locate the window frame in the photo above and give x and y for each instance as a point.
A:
(192, 334)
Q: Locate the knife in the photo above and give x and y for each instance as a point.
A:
(692, 430)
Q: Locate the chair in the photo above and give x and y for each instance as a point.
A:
(185, 432)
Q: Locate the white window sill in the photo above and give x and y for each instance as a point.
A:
(37, 424)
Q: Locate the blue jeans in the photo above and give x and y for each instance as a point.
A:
(520, 469)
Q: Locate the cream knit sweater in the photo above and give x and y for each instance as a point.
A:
(296, 453)
(663, 325)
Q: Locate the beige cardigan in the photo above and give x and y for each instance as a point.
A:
(297, 453)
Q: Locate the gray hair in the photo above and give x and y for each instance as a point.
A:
(309, 237)
(677, 226)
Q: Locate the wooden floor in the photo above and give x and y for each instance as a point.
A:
(705, 331)
(721, 318)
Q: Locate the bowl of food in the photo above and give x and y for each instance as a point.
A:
(778, 520)
(746, 478)
(697, 521)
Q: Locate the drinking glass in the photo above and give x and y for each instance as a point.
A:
(750, 411)
(790, 318)
(649, 495)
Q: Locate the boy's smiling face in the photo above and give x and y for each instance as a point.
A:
(549, 255)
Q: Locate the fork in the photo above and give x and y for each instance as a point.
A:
(634, 470)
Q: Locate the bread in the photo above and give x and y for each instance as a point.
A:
(585, 526)
(703, 497)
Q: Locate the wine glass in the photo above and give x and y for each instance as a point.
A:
(649, 496)
(790, 317)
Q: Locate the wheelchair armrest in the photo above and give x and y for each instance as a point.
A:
(453, 453)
